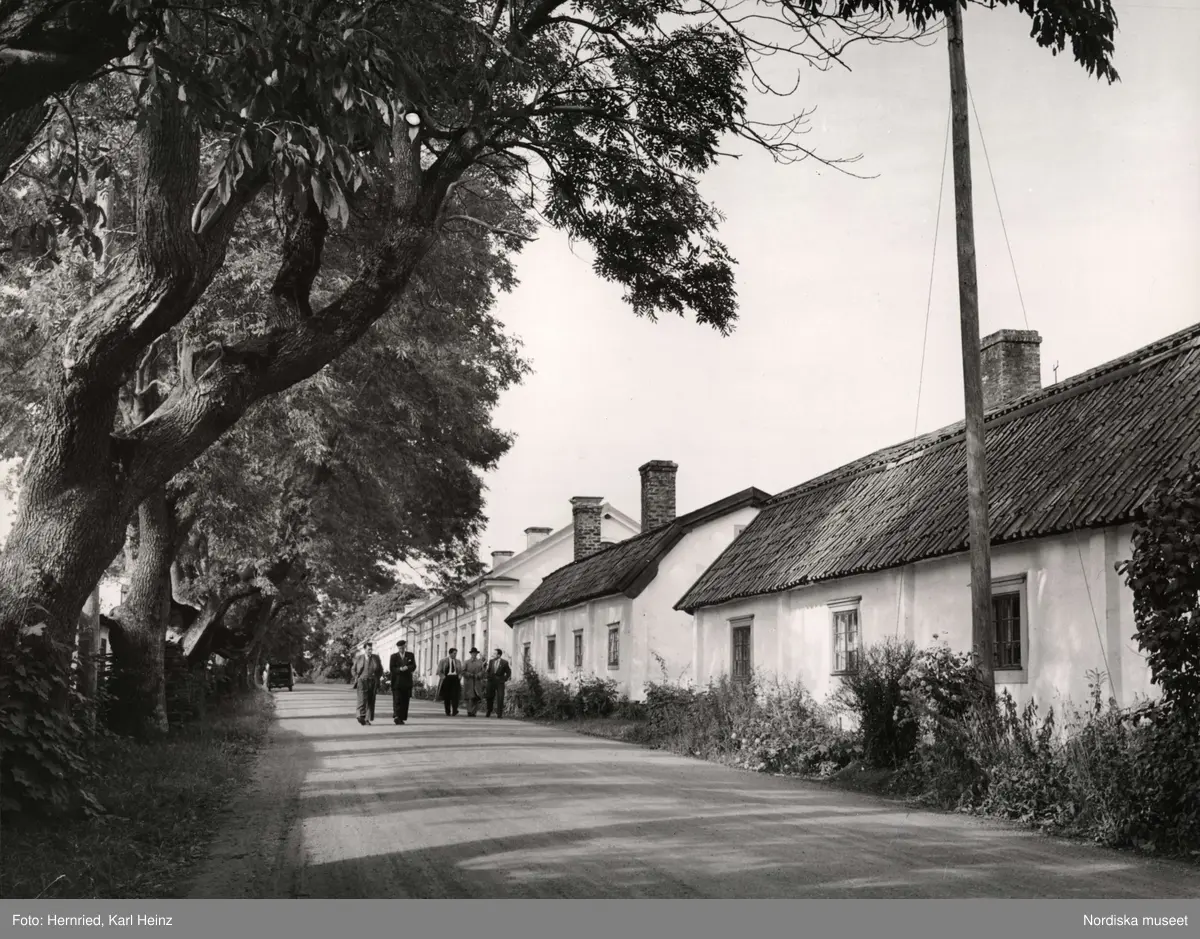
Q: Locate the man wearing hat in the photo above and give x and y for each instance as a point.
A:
(474, 675)
(450, 685)
(365, 674)
(402, 665)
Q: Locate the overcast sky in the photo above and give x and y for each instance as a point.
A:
(1101, 198)
(1100, 192)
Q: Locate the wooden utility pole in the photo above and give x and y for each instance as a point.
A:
(968, 302)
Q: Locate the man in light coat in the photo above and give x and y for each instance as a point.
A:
(365, 675)
(474, 674)
(449, 672)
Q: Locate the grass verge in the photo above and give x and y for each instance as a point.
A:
(610, 728)
(162, 799)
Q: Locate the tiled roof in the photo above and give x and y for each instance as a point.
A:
(625, 567)
(1079, 454)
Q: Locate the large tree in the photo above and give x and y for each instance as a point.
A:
(599, 114)
(316, 495)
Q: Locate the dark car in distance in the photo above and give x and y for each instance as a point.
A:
(279, 675)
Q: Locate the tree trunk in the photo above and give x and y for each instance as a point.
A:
(144, 620)
(70, 520)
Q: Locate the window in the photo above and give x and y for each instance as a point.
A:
(741, 660)
(550, 644)
(847, 636)
(614, 645)
(472, 641)
(579, 648)
(1010, 626)
(526, 656)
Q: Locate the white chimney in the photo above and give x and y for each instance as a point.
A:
(534, 536)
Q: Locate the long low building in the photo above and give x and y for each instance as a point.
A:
(877, 548)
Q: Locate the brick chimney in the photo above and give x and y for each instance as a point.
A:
(534, 536)
(1012, 366)
(586, 512)
(500, 557)
(658, 493)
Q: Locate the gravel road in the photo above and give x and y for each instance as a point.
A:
(469, 807)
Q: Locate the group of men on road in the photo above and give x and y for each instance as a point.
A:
(473, 681)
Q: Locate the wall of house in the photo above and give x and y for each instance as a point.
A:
(660, 628)
(650, 625)
(593, 620)
(1077, 610)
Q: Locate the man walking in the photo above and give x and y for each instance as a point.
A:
(450, 686)
(401, 668)
(498, 672)
(474, 675)
(365, 674)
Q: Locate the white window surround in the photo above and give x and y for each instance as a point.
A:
(735, 624)
(1016, 584)
(845, 605)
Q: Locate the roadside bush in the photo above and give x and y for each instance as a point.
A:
(944, 691)
(1163, 814)
(595, 697)
(759, 726)
(1164, 575)
(625, 709)
(875, 695)
(44, 748)
(539, 698)
(790, 733)
(528, 697)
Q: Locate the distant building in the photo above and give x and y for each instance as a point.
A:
(610, 612)
(435, 625)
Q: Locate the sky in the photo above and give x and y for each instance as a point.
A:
(1100, 192)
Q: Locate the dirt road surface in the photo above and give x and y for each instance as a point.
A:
(469, 807)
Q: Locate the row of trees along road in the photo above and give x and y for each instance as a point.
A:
(230, 222)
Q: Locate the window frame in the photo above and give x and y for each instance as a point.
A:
(1016, 585)
(577, 650)
(837, 608)
(552, 653)
(614, 630)
(527, 655)
(741, 625)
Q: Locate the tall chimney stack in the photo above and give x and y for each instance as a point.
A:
(535, 536)
(500, 557)
(586, 512)
(658, 493)
(1012, 366)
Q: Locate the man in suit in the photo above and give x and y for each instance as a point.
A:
(498, 672)
(450, 685)
(365, 674)
(474, 674)
(401, 668)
